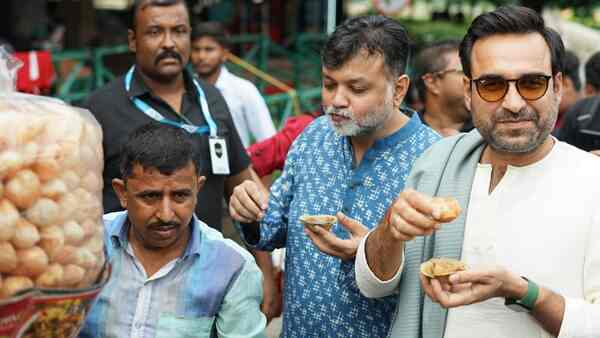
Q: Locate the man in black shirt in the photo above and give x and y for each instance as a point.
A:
(159, 88)
(581, 126)
(571, 86)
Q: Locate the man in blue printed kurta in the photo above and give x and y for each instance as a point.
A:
(354, 160)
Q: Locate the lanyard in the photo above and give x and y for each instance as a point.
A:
(190, 128)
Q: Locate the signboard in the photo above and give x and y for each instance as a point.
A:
(113, 4)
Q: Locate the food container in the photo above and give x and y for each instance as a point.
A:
(442, 267)
(324, 221)
(51, 231)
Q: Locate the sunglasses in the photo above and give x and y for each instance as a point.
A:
(442, 73)
(531, 87)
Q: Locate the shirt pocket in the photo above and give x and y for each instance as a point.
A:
(173, 326)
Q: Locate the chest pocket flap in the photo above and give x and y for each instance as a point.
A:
(173, 326)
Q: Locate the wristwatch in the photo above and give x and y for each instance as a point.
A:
(526, 303)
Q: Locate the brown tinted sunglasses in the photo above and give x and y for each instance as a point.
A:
(531, 87)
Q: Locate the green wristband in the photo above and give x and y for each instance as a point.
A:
(531, 296)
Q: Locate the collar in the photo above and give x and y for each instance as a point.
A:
(118, 235)
(422, 117)
(466, 127)
(400, 135)
(139, 87)
(221, 82)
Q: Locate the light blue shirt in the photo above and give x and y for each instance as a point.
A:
(321, 298)
(213, 290)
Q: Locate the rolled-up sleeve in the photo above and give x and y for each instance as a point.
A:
(582, 316)
(368, 284)
(240, 314)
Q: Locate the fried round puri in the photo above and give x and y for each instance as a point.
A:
(440, 267)
(324, 221)
(447, 207)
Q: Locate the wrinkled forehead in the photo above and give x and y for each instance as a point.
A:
(511, 55)
(152, 14)
(362, 65)
(139, 170)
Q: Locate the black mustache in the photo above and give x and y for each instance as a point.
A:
(523, 115)
(168, 54)
(158, 225)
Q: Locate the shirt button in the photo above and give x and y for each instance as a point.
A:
(345, 210)
(138, 325)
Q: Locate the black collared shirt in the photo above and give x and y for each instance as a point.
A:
(118, 116)
(466, 127)
(581, 126)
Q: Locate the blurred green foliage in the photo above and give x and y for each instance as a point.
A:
(423, 32)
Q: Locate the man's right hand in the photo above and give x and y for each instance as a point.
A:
(248, 202)
(595, 152)
(412, 214)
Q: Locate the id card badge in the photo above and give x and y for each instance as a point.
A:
(218, 156)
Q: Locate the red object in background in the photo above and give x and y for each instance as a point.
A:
(272, 90)
(270, 154)
(37, 73)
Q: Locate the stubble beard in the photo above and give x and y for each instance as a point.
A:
(507, 142)
(371, 122)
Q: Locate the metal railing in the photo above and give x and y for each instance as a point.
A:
(79, 72)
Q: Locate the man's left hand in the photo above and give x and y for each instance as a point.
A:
(272, 304)
(468, 287)
(330, 244)
(595, 152)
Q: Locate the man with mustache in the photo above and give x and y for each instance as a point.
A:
(354, 160)
(172, 275)
(529, 231)
(159, 88)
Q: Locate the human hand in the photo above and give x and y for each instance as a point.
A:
(248, 202)
(413, 214)
(272, 304)
(468, 287)
(332, 245)
(596, 152)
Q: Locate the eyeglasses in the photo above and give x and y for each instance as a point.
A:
(531, 87)
(441, 73)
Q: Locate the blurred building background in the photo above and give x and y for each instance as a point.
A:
(86, 39)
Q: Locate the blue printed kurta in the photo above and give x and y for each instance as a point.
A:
(321, 298)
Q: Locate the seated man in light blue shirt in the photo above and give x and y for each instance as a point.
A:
(172, 275)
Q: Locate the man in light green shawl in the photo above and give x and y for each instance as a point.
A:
(529, 205)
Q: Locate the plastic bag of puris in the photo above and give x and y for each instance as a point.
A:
(51, 231)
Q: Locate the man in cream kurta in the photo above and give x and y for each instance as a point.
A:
(541, 221)
(530, 227)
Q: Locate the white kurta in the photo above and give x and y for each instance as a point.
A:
(542, 221)
(248, 109)
(537, 223)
